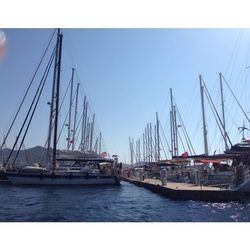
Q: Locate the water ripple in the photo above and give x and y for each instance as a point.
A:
(126, 203)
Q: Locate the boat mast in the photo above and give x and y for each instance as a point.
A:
(85, 127)
(83, 122)
(173, 125)
(171, 130)
(155, 143)
(223, 113)
(158, 137)
(52, 106)
(131, 153)
(139, 150)
(176, 132)
(146, 144)
(203, 116)
(70, 108)
(148, 140)
(100, 142)
(92, 132)
(86, 143)
(74, 128)
(151, 142)
(143, 140)
(57, 88)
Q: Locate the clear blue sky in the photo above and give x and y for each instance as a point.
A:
(127, 73)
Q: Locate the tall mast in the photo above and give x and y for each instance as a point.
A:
(151, 142)
(176, 132)
(92, 132)
(83, 122)
(136, 149)
(70, 108)
(131, 152)
(203, 116)
(173, 127)
(95, 148)
(143, 140)
(146, 144)
(86, 143)
(223, 112)
(172, 138)
(85, 128)
(155, 143)
(52, 103)
(100, 143)
(148, 140)
(158, 137)
(74, 128)
(139, 150)
(58, 71)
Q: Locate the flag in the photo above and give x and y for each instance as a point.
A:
(104, 154)
(184, 155)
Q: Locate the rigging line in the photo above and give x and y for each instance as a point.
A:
(229, 113)
(236, 99)
(163, 148)
(27, 90)
(91, 112)
(236, 56)
(69, 49)
(234, 53)
(64, 95)
(214, 110)
(59, 136)
(216, 116)
(45, 145)
(31, 106)
(181, 141)
(34, 109)
(77, 128)
(187, 138)
(133, 152)
(164, 136)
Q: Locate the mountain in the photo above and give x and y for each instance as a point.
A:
(26, 156)
(38, 155)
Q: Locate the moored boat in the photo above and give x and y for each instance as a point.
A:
(71, 168)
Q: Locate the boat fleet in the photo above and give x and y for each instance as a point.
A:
(87, 165)
(229, 170)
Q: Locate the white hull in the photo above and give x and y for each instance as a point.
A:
(62, 180)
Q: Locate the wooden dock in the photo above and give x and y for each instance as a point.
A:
(186, 191)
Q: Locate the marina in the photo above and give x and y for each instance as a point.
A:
(124, 124)
(162, 162)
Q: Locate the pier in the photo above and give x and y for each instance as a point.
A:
(186, 191)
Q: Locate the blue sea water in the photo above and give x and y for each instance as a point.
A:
(124, 203)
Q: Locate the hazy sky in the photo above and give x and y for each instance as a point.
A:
(126, 75)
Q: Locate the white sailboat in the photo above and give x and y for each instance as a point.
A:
(64, 168)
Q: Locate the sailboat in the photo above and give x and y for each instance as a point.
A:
(65, 168)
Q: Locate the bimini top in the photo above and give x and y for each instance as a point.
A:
(80, 156)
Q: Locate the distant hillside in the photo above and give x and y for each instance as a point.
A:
(27, 156)
(38, 155)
